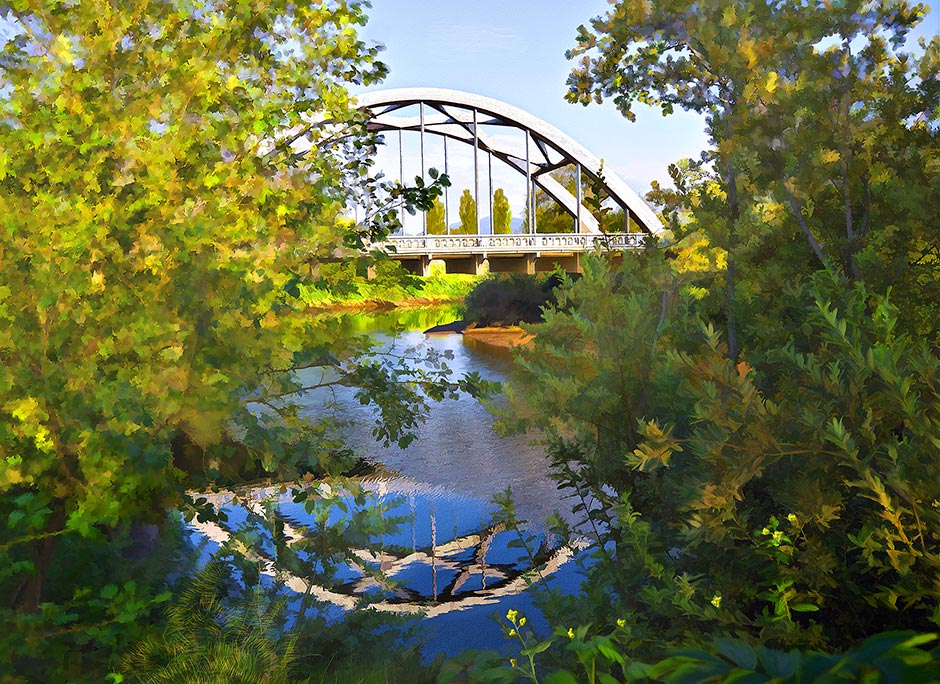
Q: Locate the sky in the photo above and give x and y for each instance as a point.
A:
(514, 51)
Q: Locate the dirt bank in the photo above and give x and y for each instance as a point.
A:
(501, 338)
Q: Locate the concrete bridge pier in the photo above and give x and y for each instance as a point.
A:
(471, 264)
(570, 263)
(419, 264)
(523, 263)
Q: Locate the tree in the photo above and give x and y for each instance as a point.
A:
(551, 217)
(468, 214)
(502, 213)
(752, 482)
(164, 214)
(764, 497)
(847, 141)
(435, 218)
(759, 73)
(668, 56)
(166, 205)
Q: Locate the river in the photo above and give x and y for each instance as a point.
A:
(451, 561)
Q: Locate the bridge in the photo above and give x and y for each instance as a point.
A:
(481, 122)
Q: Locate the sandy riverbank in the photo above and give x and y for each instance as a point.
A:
(502, 338)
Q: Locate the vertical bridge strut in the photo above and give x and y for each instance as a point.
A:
(462, 116)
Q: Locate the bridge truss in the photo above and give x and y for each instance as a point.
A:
(467, 118)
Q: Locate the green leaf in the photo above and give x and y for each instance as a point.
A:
(804, 607)
(777, 663)
(610, 652)
(738, 652)
(561, 677)
(537, 648)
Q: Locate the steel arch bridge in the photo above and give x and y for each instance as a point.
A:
(466, 118)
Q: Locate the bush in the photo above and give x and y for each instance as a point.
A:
(789, 497)
(511, 299)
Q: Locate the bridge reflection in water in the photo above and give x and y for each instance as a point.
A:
(451, 472)
(446, 556)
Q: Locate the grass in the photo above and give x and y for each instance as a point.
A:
(391, 287)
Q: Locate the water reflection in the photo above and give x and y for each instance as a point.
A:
(456, 448)
(391, 321)
(447, 554)
(448, 558)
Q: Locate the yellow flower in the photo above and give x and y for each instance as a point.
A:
(512, 662)
(716, 600)
(621, 623)
(792, 518)
(778, 535)
(511, 616)
(570, 633)
(522, 621)
(512, 632)
(765, 531)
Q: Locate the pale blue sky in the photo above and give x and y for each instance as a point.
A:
(514, 50)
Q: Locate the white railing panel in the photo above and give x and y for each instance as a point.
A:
(411, 245)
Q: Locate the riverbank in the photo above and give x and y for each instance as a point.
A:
(508, 337)
(384, 293)
(379, 305)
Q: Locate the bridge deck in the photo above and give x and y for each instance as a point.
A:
(442, 246)
(518, 253)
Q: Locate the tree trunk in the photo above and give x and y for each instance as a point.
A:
(29, 594)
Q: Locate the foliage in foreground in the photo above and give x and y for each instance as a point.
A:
(788, 497)
(777, 480)
(889, 657)
(787, 500)
(168, 190)
(218, 630)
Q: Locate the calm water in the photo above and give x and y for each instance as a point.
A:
(450, 560)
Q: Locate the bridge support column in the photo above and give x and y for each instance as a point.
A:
(471, 264)
(419, 265)
(570, 263)
(523, 263)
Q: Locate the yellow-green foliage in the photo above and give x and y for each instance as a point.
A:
(156, 231)
(340, 285)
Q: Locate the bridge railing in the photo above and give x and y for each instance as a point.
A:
(524, 243)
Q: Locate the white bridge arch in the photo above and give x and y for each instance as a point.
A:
(460, 116)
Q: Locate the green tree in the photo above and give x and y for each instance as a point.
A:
(763, 497)
(502, 213)
(797, 127)
(468, 214)
(751, 482)
(668, 56)
(551, 217)
(164, 204)
(435, 218)
(160, 235)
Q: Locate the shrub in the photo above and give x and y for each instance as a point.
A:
(511, 299)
